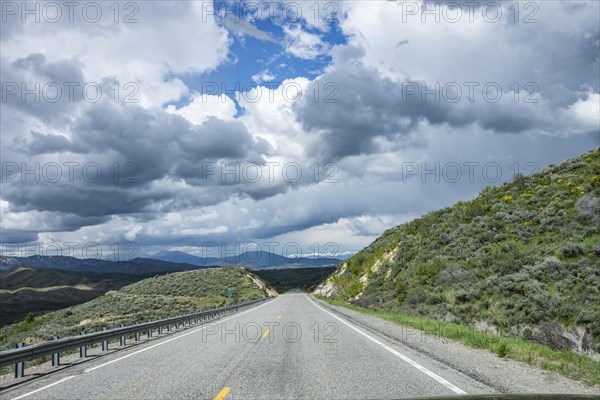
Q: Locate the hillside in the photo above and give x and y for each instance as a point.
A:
(24, 290)
(520, 260)
(152, 298)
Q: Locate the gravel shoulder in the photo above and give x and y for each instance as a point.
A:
(505, 375)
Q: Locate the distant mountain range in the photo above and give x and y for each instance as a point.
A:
(250, 259)
(137, 266)
(164, 261)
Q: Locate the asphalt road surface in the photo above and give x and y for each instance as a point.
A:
(288, 348)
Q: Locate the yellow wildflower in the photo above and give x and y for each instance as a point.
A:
(507, 198)
(560, 180)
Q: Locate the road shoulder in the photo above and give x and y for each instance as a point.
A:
(504, 375)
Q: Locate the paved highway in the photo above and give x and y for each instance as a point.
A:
(288, 348)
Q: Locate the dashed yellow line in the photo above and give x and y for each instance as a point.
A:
(266, 333)
(222, 393)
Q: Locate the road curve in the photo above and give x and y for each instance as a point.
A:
(287, 348)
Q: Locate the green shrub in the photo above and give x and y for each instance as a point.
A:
(502, 350)
(462, 296)
(29, 318)
(571, 250)
(426, 272)
(596, 249)
(347, 286)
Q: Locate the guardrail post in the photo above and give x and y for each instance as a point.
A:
(122, 340)
(137, 336)
(104, 342)
(55, 356)
(177, 325)
(20, 366)
(149, 333)
(83, 349)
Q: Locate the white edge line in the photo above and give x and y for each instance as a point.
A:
(44, 388)
(142, 350)
(404, 358)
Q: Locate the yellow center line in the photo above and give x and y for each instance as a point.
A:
(222, 393)
(266, 333)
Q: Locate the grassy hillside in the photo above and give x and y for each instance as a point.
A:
(520, 260)
(24, 290)
(158, 297)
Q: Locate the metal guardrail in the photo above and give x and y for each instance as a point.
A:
(54, 347)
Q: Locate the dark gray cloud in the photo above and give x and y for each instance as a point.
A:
(44, 90)
(83, 199)
(369, 106)
(133, 158)
(61, 71)
(17, 236)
